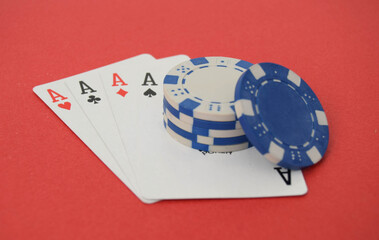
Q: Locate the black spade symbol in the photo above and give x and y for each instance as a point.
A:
(149, 92)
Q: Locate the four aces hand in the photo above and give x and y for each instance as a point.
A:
(107, 93)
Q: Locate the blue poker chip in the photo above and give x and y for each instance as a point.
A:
(227, 125)
(205, 147)
(203, 139)
(203, 88)
(281, 116)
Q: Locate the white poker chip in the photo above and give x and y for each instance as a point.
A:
(203, 88)
(204, 139)
(196, 122)
(205, 147)
(202, 131)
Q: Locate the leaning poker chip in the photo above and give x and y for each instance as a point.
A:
(203, 139)
(281, 116)
(205, 147)
(228, 125)
(203, 88)
(203, 131)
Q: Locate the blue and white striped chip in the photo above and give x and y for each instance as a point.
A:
(205, 147)
(205, 139)
(203, 88)
(196, 122)
(281, 116)
(202, 131)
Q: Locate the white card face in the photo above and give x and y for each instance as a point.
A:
(164, 168)
(86, 99)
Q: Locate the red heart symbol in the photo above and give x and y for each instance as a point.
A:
(66, 105)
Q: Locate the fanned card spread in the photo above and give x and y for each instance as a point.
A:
(170, 129)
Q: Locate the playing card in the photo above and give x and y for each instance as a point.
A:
(89, 93)
(58, 97)
(164, 168)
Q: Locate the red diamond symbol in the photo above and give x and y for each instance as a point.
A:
(122, 92)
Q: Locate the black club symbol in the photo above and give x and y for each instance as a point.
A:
(93, 99)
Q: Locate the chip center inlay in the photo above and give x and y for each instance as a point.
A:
(285, 113)
(216, 84)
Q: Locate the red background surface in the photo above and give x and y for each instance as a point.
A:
(53, 187)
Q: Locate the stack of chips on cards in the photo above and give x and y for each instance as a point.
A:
(220, 104)
(199, 104)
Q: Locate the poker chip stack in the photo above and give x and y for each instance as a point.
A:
(198, 104)
(220, 104)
